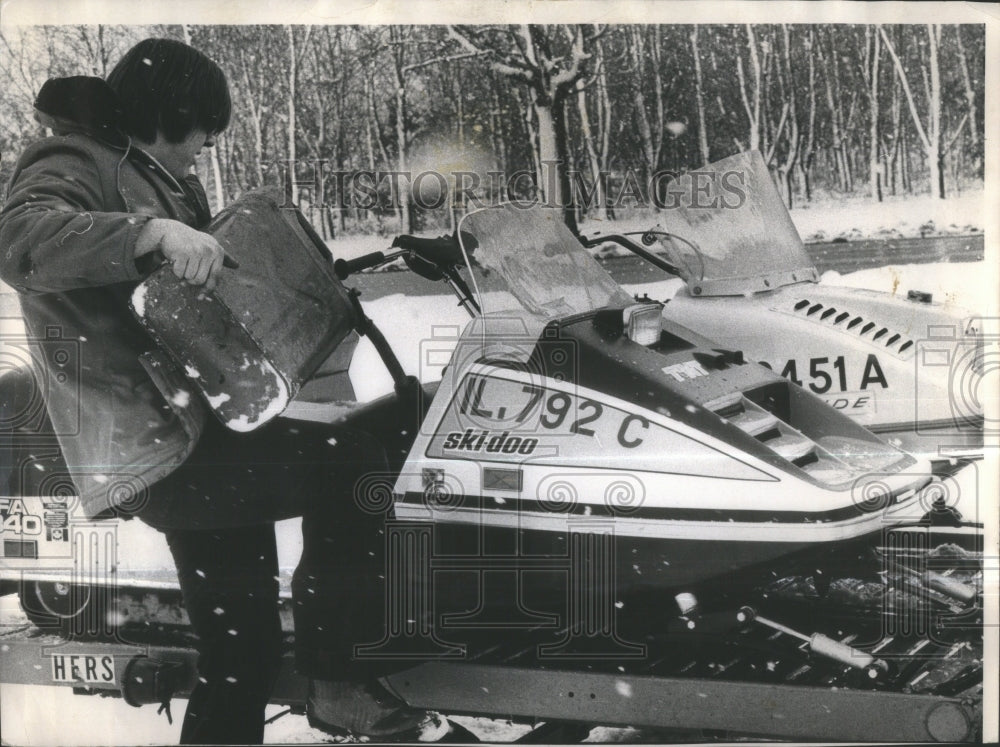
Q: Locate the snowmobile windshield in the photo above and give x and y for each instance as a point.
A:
(525, 258)
(733, 234)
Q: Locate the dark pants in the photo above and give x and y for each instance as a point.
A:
(218, 512)
(229, 581)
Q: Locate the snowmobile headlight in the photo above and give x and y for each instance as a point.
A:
(642, 323)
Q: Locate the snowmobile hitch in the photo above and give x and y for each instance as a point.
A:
(147, 680)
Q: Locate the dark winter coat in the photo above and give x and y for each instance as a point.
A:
(76, 205)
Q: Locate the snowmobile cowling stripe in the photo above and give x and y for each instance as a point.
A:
(728, 515)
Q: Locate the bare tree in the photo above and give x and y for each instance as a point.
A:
(650, 134)
(548, 61)
(805, 162)
(751, 95)
(870, 63)
(699, 98)
(295, 53)
(834, 100)
(789, 115)
(970, 98)
(929, 127)
(822, 103)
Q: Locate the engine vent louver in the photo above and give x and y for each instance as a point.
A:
(894, 341)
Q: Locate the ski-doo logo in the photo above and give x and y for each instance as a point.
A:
(685, 370)
(484, 441)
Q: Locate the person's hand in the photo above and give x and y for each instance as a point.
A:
(196, 257)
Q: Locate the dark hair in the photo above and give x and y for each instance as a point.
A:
(168, 86)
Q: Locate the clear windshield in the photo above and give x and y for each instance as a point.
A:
(526, 258)
(743, 239)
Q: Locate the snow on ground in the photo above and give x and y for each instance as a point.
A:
(824, 219)
(895, 217)
(962, 284)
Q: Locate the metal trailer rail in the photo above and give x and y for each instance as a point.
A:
(752, 680)
(592, 698)
(745, 708)
(896, 659)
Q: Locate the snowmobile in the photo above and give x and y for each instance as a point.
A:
(596, 481)
(566, 401)
(903, 365)
(610, 492)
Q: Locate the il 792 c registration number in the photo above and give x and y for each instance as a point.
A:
(493, 402)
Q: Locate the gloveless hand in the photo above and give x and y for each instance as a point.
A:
(196, 257)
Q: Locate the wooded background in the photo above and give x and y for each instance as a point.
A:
(836, 110)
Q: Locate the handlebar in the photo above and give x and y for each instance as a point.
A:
(345, 267)
(433, 256)
(443, 247)
(627, 243)
(443, 251)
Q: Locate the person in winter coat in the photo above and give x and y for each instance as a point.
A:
(90, 212)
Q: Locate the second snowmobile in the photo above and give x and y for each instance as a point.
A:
(906, 366)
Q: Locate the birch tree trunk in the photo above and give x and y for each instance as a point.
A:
(790, 115)
(220, 192)
(253, 105)
(970, 98)
(527, 56)
(751, 99)
(497, 129)
(929, 132)
(638, 55)
(873, 54)
(593, 158)
(935, 154)
(809, 147)
(699, 97)
(291, 112)
(403, 198)
(379, 138)
(831, 81)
